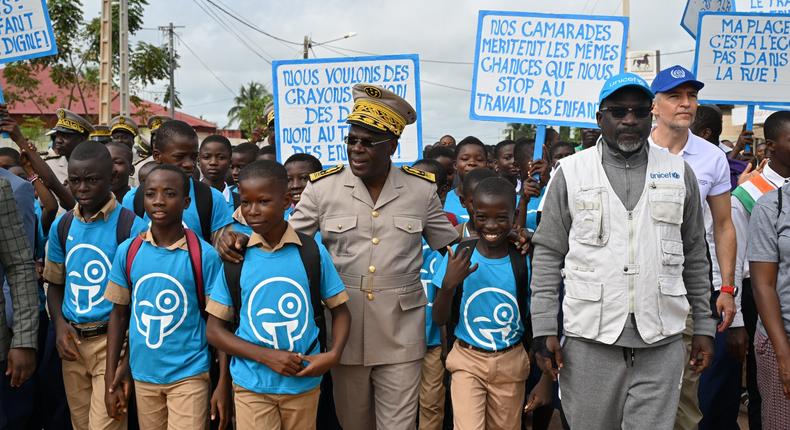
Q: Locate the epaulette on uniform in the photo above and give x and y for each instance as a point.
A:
(326, 172)
(428, 176)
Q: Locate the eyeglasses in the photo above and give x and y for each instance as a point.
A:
(620, 112)
(367, 143)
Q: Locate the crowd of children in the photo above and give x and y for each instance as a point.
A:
(155, 330)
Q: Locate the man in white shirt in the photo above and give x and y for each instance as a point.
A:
(674, 108)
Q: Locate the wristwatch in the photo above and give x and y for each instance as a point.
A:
(729, 289)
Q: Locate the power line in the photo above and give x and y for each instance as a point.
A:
(422, 60)
(206, 66)
(230, 30)
(252, 26)
(210, 103)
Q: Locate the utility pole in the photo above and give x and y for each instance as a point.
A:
(306, 47)
(105, 62)
(123, 49)
(170, 29)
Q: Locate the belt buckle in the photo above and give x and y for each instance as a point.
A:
(89, 332)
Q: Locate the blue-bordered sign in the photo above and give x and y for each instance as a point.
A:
(762, 6)
(693, 8)
(312, 99)
(743, 58)
(25, 30)
(544, 68)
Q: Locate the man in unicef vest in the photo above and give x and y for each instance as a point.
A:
(622, 228)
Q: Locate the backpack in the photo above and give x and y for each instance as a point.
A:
(236, 199)
(195, 260)
(204, 202)
(311, 260)
(519, 265)
(122, 230)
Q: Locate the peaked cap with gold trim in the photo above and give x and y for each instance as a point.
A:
(155, 122)
(125, 123)
(101, 133)
(70, 122)
(380, 110)
(268, 114)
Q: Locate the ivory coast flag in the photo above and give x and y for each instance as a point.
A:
(751, 190)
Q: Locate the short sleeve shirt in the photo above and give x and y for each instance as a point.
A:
(167, 333)
(769, 242)
(221, 212)
(86, 263)
(489, 317)
(453, 205)
(276, 312)
(430, 262)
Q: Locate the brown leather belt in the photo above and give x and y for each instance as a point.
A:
(89, 330)
(465, 345)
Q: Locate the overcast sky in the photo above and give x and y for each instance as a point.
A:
(435, 29)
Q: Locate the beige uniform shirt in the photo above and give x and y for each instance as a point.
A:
(58, 164)
(377, 249)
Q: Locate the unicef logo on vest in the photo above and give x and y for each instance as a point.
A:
(86, 287)
(282, 326)
(159, 311)
(664, 175)
(501, 325)
(678, 73)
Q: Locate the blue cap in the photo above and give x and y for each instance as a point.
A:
(624, 80)
(672, 77)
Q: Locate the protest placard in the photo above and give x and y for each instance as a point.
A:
(739, 115)
(312, 99)
(544, 69)
(744, 58)
(765, 6)
(695, 7)
(25, 30)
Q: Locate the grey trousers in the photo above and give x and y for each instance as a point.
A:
(604, 387)
(378, 397)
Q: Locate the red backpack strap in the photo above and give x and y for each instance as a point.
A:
(137, 242)
(196, 260)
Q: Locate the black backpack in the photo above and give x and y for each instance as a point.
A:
(519, 265)
(311, 259)
(122, 230)
(204, 202)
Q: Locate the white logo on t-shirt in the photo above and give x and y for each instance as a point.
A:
(87, 293)
(501, 325)
(281, 327)
(158, 319)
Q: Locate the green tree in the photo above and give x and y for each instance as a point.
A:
(515, 131)
(75, 67)
(176, 101)
(248, 107)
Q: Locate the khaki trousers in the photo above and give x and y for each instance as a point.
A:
(432, 390)
(377, 397)
(688, 415)
(182, 405)
(487, 389)
(84, 383)
(275, 411)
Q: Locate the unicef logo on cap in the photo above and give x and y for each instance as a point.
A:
(678, 73)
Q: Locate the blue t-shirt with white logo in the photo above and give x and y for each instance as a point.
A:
(430, 262)
(453, 205)
(221, 213)
(88, 257)
(167, 334)
(247, 230)
(276, 312)
(489, 317)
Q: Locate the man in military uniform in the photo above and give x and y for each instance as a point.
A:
(267, 127)
(372, 218)
(124, 130)
(142, 154)
(101, 134)
(70, 130)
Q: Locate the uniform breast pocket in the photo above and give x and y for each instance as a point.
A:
(408, 232)
(591, 219)
(338, 232)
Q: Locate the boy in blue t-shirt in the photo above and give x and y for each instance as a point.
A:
(470, 154)
(77, 267)
(488, 363)
(299, 167)
(214, 159)
(158, 283)
(277, 362)
(176, 144)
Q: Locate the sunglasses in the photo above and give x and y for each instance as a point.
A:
(620, 112)
(367, 143)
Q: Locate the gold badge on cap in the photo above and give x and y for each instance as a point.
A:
(121, 120)
(61, 113)
(373, 92)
